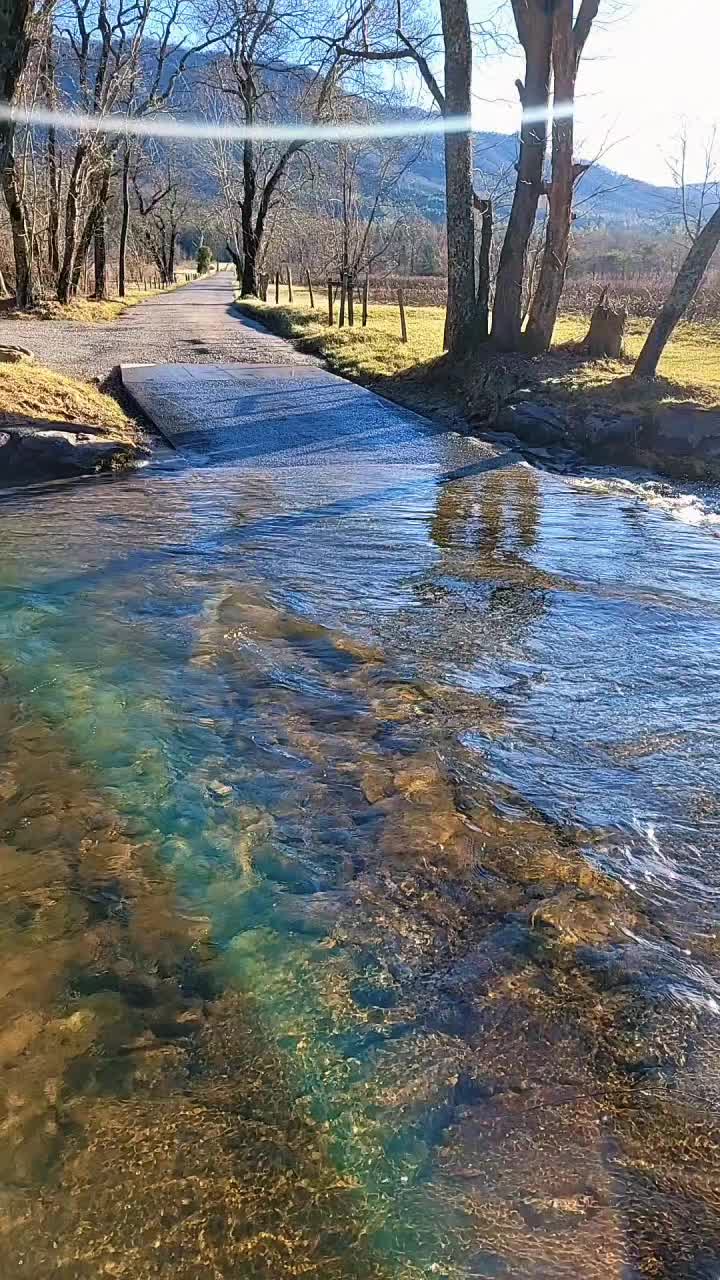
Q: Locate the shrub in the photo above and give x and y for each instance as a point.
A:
(204, 259)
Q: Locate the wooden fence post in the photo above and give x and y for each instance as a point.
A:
(310, 291)
(330, 303)
(366, 291)
(277, 287)
(289, 278)
(403, 325)
(351, 300)
(343, 294)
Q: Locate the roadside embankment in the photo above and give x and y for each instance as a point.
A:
(670, 423)
(55, 427)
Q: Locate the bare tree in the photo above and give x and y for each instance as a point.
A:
(686, 284)
(19, 23)
(459, 178)
(360, 180)
(568, 41)
(696, 197)
(262, 86)
(100, 42)
(534, 22)
(118, 56)
(454, 101)
(163, 204)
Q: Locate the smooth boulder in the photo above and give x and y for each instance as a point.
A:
(31, 454)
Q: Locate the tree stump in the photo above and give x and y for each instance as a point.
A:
(607, 329)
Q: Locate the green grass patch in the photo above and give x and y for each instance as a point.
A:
(690, 369)
(367, 355)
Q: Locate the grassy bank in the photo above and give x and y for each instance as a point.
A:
(31, 395)
(87, 310)
(690, 368)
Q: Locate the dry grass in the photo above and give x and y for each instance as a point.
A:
(31, 394)
(690, 368)
(86, 310)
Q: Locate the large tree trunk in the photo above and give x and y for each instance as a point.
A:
(125, 222)
(15, 20)
(535, 22)
(544, 305)
(567, 47)
(687, 282)
(458, 180)
(250, 241)
(248, 284)
(100, 236)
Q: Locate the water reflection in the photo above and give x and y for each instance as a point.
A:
(496, 514)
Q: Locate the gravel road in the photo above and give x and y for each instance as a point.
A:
(191, 325)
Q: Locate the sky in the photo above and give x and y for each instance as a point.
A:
(648, 65)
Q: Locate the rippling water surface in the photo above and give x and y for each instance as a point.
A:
(359, 888)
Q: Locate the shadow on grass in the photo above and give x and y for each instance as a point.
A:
(451, 392)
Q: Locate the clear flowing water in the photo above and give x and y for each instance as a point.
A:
(359, 903)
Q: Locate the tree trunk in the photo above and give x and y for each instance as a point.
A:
(687, 282)
(458, 180)
(100, 235)
(72, 214)
(15, 20)
(604, 338)
(568, 43)
(53, 204)
(125, 222)
(482, 308)
(250, 242)
(81, 252)
(248, 284)
(544, 305)
(536, 37)
(53, 163)
(21, 236)
(100, 255)
(236, 260)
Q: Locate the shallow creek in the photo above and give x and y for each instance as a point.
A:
(358, 875)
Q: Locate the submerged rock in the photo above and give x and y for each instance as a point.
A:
(33, 454)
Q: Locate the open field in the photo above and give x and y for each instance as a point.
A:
(641, 293)
(690, 368)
